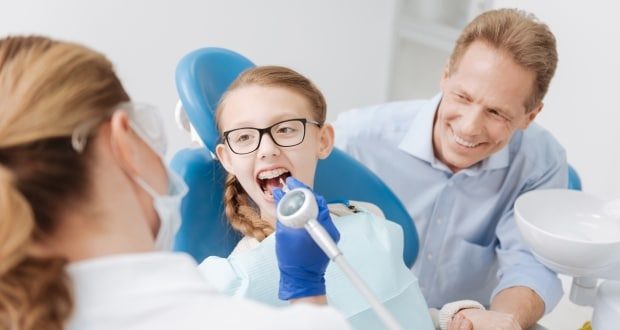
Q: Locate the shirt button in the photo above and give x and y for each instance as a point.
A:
(439, 221)
(429, 256)
(450, 183)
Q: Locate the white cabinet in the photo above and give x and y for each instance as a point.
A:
(424, 35)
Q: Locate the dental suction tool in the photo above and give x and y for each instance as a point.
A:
(297, 209)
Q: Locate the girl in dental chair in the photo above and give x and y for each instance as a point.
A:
(272, 123)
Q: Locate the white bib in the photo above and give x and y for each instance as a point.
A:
(374, 248)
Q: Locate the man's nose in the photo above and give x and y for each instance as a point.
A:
(472, 122)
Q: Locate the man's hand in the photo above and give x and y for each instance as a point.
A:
(478, 319)
(522, 303)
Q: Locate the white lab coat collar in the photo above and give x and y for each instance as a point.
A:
(418, 142)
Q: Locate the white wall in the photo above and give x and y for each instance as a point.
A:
(344, 46)
(341, 45)
(582, 108)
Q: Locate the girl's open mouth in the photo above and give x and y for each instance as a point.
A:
(270, 179)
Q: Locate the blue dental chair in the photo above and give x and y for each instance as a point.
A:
(574, 182)
(202, 77)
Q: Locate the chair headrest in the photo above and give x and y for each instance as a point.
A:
(202, 76)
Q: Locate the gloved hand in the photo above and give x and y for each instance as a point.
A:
(301, 261)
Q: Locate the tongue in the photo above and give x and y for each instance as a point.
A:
(272, 183)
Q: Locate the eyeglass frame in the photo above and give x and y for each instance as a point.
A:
(83, 131)
(262, 131)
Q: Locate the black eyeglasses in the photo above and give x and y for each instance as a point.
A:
(286, 133)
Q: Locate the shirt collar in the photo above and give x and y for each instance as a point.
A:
(418, 142)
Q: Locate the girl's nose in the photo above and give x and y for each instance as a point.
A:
(267, 147)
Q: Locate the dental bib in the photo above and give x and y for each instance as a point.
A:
(374, 248)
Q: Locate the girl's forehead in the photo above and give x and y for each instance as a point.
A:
(261, 106)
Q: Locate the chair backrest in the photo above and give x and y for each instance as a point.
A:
(574, 182)
(202, 77)
(204, 230)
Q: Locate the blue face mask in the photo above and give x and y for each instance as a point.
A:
(168, 208)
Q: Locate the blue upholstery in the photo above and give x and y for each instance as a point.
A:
(340, 177)
(574, 182)
(202, 76)
(204, 230)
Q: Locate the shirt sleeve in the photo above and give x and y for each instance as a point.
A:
(344, 129)
(517, 265)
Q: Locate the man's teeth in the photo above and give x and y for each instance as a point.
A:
(272, 173)
(464, 142)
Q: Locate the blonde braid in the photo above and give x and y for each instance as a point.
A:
(240, 214)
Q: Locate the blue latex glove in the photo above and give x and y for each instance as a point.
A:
(301, 261)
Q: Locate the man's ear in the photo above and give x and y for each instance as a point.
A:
(124, 143)
(445, 74)
(326, 141)
(530, 116)
(223, 154)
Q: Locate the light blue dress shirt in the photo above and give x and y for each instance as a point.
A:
(470, 247)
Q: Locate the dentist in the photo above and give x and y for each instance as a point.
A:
(86, 202)
(460, 160)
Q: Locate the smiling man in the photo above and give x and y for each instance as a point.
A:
(459, 161)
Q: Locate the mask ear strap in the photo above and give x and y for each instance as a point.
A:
(149, 190)
(177, 185)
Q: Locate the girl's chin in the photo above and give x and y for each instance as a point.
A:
(268, 213)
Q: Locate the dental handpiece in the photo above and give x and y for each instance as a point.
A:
(297, 209)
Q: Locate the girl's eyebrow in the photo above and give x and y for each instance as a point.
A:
(275, 119)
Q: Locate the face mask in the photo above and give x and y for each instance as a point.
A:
(168, 208)
(148, 125)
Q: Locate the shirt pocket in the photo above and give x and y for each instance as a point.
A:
(471, 271)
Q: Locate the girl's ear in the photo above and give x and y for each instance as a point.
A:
(326, 141)
(223, 154)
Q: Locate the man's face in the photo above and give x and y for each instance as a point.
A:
(484, 103)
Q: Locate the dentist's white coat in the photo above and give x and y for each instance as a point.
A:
(165, 291)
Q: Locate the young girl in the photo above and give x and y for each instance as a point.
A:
(272, 122)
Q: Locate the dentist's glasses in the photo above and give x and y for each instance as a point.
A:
(286, 133)
(144, 119)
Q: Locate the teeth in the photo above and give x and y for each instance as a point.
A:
(464, 142)
(272, 173)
